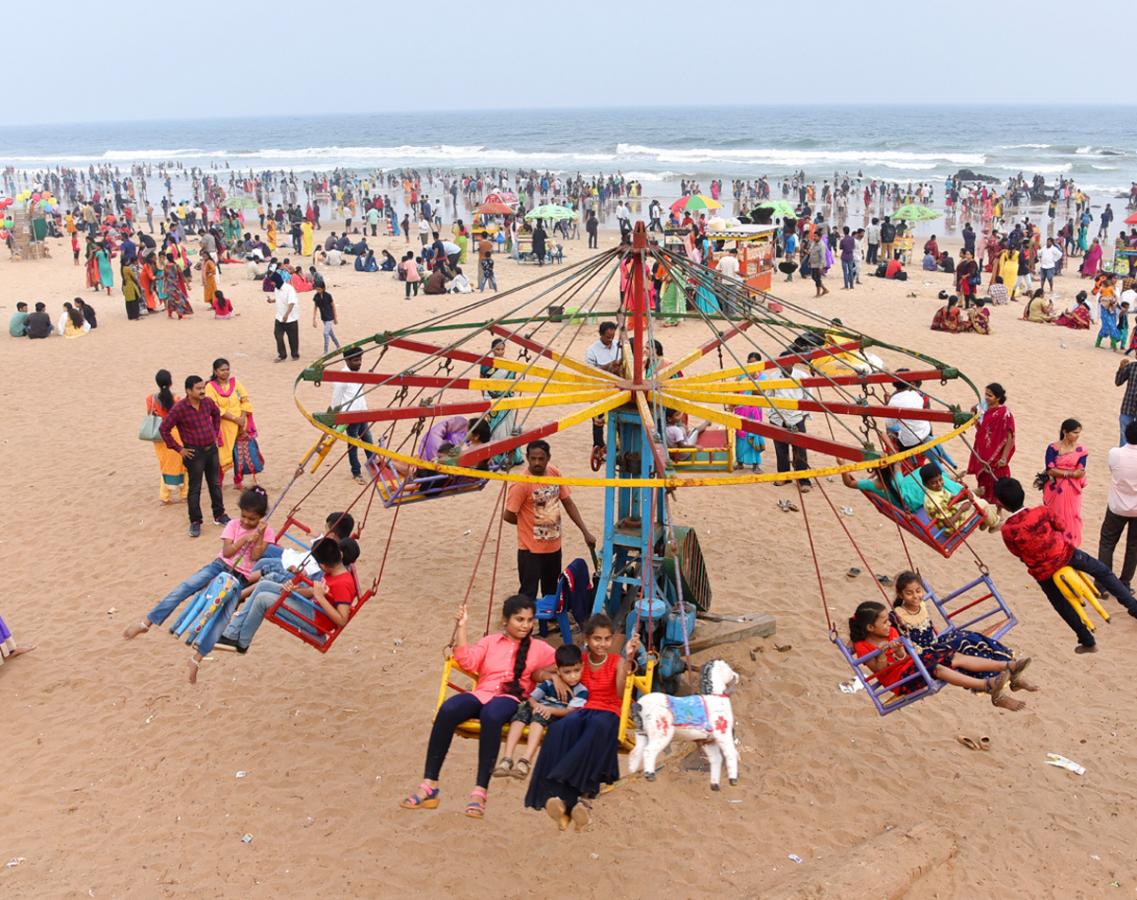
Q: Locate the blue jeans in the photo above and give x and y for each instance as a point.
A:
(243, 627)
(330, 335)
(1124, 421)
(186, 589)
(848, 271)
(360, 431)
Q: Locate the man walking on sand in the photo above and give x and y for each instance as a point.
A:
(817, 267)
(287, 318)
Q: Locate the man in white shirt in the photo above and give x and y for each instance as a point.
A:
(909, 432)
(1048, 259)
(348, 396)
(624, 217)
(287, 318)
(790, 420)
(424, 230)
(1121, 507)
(605, 353)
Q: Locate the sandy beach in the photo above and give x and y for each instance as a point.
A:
(121, 780)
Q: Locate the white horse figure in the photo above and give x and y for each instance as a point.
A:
(706, 718)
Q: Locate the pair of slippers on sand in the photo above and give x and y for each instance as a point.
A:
(980, 743)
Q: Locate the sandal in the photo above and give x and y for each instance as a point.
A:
(430, 800)
(476, 808)
(983, 743)
(504, 768)
(521, 769)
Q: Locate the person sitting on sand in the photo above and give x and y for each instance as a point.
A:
(978, 316)
(871, 629)
(949, 317)
(1039, 308)
(947, 508)
(540, 709)
(1078, 316)
(1037, 538)
(910, 609)
(243, 541)
(328, 598)
(507, 665)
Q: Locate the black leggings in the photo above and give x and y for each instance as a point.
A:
(493, 716)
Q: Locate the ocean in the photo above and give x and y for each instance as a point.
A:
(1096, 146)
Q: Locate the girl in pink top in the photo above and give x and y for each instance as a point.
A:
(507, 665)
(410, 272)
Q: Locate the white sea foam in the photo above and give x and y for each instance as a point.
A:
(792, 157)
(1024, 147)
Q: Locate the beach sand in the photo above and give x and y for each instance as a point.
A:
(120, 778)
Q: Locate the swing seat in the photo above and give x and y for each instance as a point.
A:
(713, 452)
(919, 524)
(315, 634)
(977, 606)
(1079, 591)
(456, 680)
(291, 522)
(883, 696)
(396, 491)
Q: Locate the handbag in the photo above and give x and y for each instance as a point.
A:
(149, 430)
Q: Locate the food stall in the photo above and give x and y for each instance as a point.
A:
(755, 245)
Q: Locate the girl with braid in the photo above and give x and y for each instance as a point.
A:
(507, 665)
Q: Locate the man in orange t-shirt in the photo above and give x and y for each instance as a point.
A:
(536, 511)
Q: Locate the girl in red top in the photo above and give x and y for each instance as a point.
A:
(870, 629)
(579, 751)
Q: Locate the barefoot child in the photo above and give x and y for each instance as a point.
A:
(242, 543)
(580, 750)
(507, 664)
(913, 618)
(946, 509)
(542, 707)
(870, 629)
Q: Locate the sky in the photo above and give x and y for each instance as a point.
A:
(238, 58)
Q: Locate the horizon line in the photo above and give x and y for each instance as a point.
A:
(922, 106)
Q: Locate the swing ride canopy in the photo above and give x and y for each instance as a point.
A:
(423, 374)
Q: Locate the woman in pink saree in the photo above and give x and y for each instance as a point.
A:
(1092, 260)
(994, 442)
(1065, 479)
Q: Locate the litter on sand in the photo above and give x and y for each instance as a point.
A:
(246, 838)
(1053, 759)
(851, 687)
(795, 858)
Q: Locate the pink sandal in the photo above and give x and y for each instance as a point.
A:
(430, 801)
(476, 808)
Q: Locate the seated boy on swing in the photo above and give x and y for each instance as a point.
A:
(278, 565)
(946, 510)
(541, 708)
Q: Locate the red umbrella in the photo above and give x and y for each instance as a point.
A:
(1132, 219)
(494, 208)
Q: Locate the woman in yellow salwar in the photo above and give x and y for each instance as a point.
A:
(236, 413)
(307, 239)
(170, 465)
(270, 234)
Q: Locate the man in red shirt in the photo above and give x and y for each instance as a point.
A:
(1036, 537)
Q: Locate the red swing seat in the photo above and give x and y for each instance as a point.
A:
(319, 636)
(920, 525)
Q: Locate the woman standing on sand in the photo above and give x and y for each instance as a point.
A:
(171, 466)
(208, 278)
(236, 415)
(177, 295)
(994, 441)
(1065, 479)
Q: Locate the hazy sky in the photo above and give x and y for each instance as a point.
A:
(233, 57)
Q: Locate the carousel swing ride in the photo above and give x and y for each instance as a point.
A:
(430, 386)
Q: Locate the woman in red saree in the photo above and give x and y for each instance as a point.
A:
(147, 277)
(949, 318)
(994, 442)
(1065, 479)
(1079, 316)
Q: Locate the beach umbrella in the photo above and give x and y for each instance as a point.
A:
(694, 202)
(913, 212)
(1132, 219)
(240, 201)
(550, 211)
(494, 208)
(780, 208)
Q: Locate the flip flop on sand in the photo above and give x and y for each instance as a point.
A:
(853, 572)
(982, 743)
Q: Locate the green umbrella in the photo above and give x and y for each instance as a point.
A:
(780, 208)
(913, 212)
(240, 201)
(550, 211)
